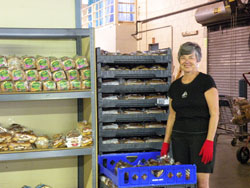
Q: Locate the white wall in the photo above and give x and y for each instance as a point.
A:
(182, 22)
(105, 37)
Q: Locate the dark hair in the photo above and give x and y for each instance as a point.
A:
(188, 48)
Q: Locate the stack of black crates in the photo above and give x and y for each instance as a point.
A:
(106, 71)
(118, 70)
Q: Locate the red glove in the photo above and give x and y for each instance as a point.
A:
(207, 151)
(164, 148)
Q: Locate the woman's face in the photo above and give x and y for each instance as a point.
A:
(188, 63)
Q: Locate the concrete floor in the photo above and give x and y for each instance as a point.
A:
(228, 172)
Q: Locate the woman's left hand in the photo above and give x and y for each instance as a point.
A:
(207, 151)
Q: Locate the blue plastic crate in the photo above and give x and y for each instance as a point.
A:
(133, 176)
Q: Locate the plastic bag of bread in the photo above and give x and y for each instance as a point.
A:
(7, 86)
(134, 82)
(14, 63)
(140, 67)
(44, 75)
(42, 142)
(49, 86)
(55, 64)
(4, 146)
(24, 137)
(84, 127)
(35, 86)
(59, 75)
(73, 139)
(72, 74)
(31, 75)
(28, 63)
(85, 74)
(3, 62)
(81, 62)
(68, 63)
(14, 127)
(75, 84)
(5, 137)
(21, 86)
(86, 84)
(42, 186)
(17, 146)
(63, 85)
(17, 74)
(155, 82)
(58, 141)
(42, 63)
(86, 141)
(4, 75)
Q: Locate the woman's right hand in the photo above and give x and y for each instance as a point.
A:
(164, 148)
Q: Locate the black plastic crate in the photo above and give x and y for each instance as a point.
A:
(109, 118)
(163, 88)
(106, 103)
(134, 59)
(130, 147)
(135, 74)
(132, 132)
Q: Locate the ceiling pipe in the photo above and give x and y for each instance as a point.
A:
(172, 13)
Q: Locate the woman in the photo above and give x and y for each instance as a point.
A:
(193, 115)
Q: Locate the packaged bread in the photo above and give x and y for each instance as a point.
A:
(140, 67)
(84, 127)
(155, 125)
(73, 139)
(28, 63)
(58, 141)
(5, 137)
(72, 74)
(133, 126)
(110, 126)
(86, 141)
(3, 62)
(154, 111)
(7, 86)
(63, 85)
(81, 62)
(153, 139)
(156, 82)
(44, 75)
(17, 146)
(134, 97)
(155, 96)
(21, 86)
(35, 86)
(42, 142)
(14, 63)
(4, 74)
(42, 63)
(86, 84)
(133, 140)
(133, 111)
(24, 137)
(17, 74)
(4, 146)
(75, 84)
(55, 65)
(85, 74)
(134, 82)
(110, 141)
(49, 86)
(110, 82)
(68, 63)
(3, 130)
(157, 67)
(16, 128)
(31, 75)
(59, 75)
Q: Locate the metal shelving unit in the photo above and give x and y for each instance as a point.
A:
(53, 34)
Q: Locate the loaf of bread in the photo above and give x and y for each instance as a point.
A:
(72, 74)
(55, 64)
(42, 63)
(17, 74)
(7, 86)
(49, 86)
(35, 86)
(68, 63)
(4, 75)
(63, 85)
(81, 62)
(44, 75)
(28, 63)
(21, 86)
(59, 75)
(31, 75)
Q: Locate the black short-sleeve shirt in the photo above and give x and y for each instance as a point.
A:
(189, 103)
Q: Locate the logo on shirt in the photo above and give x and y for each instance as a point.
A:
(184, 95)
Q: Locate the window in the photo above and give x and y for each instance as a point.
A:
(109, 11)
(126, 10)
